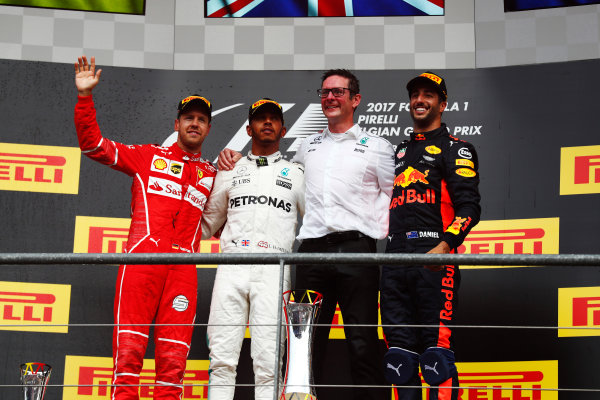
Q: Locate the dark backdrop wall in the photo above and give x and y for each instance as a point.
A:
(535, 131)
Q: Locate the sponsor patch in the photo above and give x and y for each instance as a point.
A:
(317, 140)
(401, 153)
(176, 168)
(267, 245)
(160, 164)
(262, 162)
(165, 166)
(195, 197)
(241, 171)
(207, 182)
(164, 187)
(433, 77)
(457, 225)
(411, 175)
(466, 163)
(180, 303)
(283, 184)
(245, 200)
(465, 153)
(240, 181)
(433, 150)
(466, 172)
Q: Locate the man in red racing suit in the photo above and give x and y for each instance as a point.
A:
(170, 188)
(434, 205)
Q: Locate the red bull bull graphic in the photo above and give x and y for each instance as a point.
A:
(411, 175)
(458, 225)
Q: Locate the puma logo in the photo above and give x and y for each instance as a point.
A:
(235, 242)
(155, 241)
(427, 367)
(395, 368)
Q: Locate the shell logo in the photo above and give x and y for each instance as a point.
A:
(160, 164)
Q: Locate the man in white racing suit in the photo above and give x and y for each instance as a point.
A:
(258, 201)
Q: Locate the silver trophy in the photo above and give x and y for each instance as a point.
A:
(302, 311)
(34, 377)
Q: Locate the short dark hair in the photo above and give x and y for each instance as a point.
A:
(353, 83)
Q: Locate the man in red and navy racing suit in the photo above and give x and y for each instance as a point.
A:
(434, 205)
(170, 188)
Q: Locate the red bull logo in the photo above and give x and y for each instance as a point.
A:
(411, 196)
(457, 225)
(411, 175)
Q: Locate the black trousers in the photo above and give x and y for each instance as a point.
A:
(414, 295)
(355, 288)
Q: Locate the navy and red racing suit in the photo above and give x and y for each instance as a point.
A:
(169, 191)
(435, 198)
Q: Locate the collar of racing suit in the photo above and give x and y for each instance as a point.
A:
(184, 154)
(270, 158)
(430, 134)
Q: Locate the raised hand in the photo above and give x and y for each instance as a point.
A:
(86, 76)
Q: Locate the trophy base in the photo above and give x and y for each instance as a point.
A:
(297, 396)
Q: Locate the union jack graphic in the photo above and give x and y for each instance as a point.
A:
(322, 8)
(245, 243)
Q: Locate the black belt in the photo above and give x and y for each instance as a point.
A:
(336, 237)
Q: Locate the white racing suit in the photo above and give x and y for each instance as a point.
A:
(258, 201)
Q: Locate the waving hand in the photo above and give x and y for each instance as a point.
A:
(86, 76)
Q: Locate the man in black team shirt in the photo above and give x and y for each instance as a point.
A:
(434, 205)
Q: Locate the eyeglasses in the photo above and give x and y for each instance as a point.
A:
(337, 92)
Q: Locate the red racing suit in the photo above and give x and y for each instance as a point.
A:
(169, 191)
(435, 198)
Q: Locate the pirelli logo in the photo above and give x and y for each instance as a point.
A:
(32, 168)
(109, 235)
(38, 305)
(518, 380)
(93, 375)
(100, 235)
(512, 236)
(579, 307)
(579, 170)
(210, 246)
